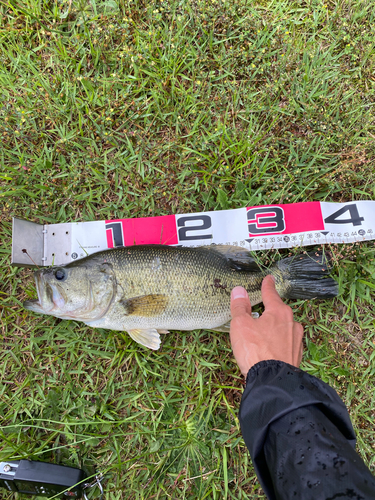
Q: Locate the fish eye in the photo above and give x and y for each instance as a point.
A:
(60, 274)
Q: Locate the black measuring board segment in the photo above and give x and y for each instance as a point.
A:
(48, 473)
(41, 478)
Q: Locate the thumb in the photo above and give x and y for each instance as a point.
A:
(239, 302)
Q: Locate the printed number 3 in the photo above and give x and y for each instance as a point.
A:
(266, 220)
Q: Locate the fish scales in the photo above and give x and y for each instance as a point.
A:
(197, 283)
(151, 289)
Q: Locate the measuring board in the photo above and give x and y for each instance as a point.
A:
(254, 228)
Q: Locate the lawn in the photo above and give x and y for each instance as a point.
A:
(127, 108)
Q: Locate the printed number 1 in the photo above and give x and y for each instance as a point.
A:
(117, 235)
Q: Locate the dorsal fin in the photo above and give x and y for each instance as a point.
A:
(238, 258)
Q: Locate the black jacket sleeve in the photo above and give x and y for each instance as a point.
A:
(300, 437)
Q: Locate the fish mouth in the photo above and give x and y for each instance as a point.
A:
(39, 305)
(33, 305)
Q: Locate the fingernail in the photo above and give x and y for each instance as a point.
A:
(272, 277)
(239, 292)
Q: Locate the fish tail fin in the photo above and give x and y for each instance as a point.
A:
(308, 277)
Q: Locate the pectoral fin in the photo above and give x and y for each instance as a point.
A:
(226, 327)
(149, 338)
(145, 305)
(223, 328)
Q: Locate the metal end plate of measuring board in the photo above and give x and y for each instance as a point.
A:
(30, 242)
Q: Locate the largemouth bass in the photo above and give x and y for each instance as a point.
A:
(151, 289)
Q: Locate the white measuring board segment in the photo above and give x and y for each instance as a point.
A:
(205, 228)
(87, 238)
(351, 222)
(255, 228)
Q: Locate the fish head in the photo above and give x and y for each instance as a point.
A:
(77, 291)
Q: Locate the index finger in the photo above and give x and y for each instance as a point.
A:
(270, 297)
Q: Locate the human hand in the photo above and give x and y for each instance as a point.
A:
(275, 335)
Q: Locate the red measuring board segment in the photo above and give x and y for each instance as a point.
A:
(284, 218)
(144, 231)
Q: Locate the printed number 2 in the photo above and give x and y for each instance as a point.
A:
(355, 219)
(205, 224)
(266, 220)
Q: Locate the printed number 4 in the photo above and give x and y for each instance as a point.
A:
(355, 219)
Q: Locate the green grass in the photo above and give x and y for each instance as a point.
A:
(121, 108)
